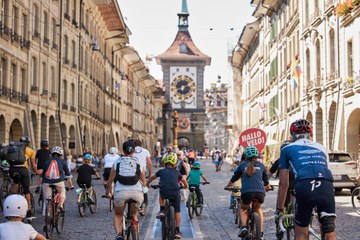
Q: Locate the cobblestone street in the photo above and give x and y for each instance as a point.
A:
(216, 221)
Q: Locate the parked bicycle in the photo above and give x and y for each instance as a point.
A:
(192, 203)
(236, 205)
(168, 221)
(355, 199)
(86, 199)
(54, 218)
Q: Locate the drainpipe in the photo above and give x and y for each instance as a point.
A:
(78, 85)
(60, 65)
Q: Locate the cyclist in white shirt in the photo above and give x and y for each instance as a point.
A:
(108, 162)
(144, 157)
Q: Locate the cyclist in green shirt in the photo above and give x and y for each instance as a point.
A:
(194, 180)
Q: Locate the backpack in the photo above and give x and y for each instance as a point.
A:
(52, 171)
(3, 151)
(127, 171)
(15, 154)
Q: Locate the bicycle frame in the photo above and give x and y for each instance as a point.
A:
(129, 223)
(312, 232)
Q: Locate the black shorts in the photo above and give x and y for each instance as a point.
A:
(22, 178)
(80, 184)
(176, 200)
(246, 198)
(106, 173)
(311, 193)
(191, 161)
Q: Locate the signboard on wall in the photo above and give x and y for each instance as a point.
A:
(253, 137)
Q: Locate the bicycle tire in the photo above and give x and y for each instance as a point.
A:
(163, 228)
(81, 204)
(131, 233)
(48, 227)
(254, 229)
(171, 223)
(32, 201)
(93, 206)
(198, 210)
(355, 202)
(60, 219)
(190, 205)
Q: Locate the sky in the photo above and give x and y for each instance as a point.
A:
(215, 26)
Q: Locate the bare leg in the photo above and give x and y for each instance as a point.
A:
(178, 219)
(118, 218)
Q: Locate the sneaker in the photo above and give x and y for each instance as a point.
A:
(61, 210)
(243, 232)
(29, 214)
(37, 190)
(119, 237)
(161, 214)
(178, 235)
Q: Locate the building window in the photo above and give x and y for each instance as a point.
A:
(318, 63)
(332, 50)
(46, 25)
(44, 76)
(36, 21)
(73, 50)
(67, 6)
(5, 9)
(350, 66)
(308, 74)
(24, 27)
(54, 31)
(74, 10)
(64, 92)
(66, 46)
(23, 80)
(15, 19)
(72, 94)
(33, 71)
(13, 77)
(53, 80)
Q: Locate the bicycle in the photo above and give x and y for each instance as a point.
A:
(6, 183)
(192, 202)
(53, 217)
(84, 201)
(144, 206)
(168, 221)
(236, 205)
(355, 199)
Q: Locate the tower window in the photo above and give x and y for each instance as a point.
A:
(183, 48)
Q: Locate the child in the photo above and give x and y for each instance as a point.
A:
(194, 180)
(169, 188)
(236, 184)
(85, 172)
(15, 208)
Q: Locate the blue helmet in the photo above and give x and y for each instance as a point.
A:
(88, 156)
(197, 165)
(251, 152)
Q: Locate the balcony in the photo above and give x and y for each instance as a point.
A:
(64, 106)
(54, 46)
(5, 30)
(25, 44)
(46, 41)
(24, 98)
(34, 89)
(44, 93)
(36, 35)
(5, 92)
(66, 61)
(74, 65)
(74, 22)
(53, 96)
(67, 16)
(72, 108)
(15, 37)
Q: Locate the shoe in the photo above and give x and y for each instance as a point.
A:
(178, 235)
(37, 190)
(61, 210)
(29, 214)
(161, 214)
(243, 232)
(119, 237)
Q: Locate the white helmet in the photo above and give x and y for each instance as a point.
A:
(113, 150)
(57, 150)
(15, 205)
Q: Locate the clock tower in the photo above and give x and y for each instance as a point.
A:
(183, 67)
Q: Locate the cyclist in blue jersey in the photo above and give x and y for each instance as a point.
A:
(313, 181)
(253, 178)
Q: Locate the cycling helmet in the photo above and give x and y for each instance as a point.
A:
(251, 152)
(113, 150)
(57, 150)
(25, 139)
(87, 156)
(170, 158)
(301, 126)
(128, 146)
(15, 205)
(44, 142)
(196, 165)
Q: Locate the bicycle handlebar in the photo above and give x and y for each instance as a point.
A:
(233, 189)
(281, 218)
(204, 183)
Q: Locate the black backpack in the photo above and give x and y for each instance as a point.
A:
(130, 171)
(16, 153)
(3, 151)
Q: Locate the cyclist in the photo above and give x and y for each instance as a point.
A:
(191, 157)
(253, 179)
(313, 181)
(53, 174)
(20, 173)
(144, 157)
(194, 180)
(169, 188)
(85, 172)
(15, 209)
(41, 156)
(128, 177)
(108, 163)
(236, 184)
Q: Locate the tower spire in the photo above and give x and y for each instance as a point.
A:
(183, 17)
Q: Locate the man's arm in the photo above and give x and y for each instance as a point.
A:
(283, 187)
(149, 163)
(142, 177)
(151, 178)
(110, 182)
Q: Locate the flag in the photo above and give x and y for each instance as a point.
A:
(296, 72)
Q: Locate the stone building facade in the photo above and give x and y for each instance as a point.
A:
(67, 74)
(299, 59)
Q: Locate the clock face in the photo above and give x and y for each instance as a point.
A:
(183, 87)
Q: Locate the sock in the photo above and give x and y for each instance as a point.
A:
(177, 229)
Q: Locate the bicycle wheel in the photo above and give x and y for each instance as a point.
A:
(190, 205)
(60, 219)
(171, 223)
(131, 233)
(81, 204)
(93, 206)
(163, 228)
(48, 227)
(355, 199)
(198, 209)
(254, 229)
(32, 201)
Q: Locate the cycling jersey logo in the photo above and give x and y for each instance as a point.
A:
(310, 151)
